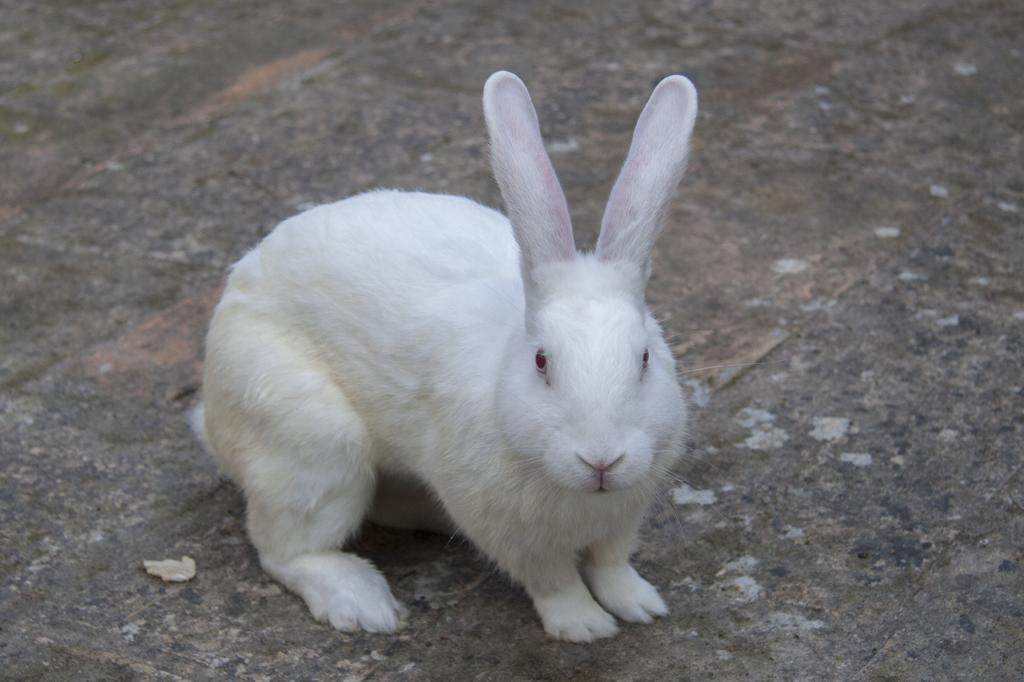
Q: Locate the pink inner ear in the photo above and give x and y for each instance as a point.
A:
(650, 174)
(616, 218)
(533, 196)
(554, 205)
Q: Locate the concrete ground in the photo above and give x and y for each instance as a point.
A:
(851, 222)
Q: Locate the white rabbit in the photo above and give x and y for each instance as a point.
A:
(465, 368)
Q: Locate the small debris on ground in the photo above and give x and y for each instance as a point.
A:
(172, 570)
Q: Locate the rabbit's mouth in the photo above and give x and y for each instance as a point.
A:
(607, 482)
(599, 469)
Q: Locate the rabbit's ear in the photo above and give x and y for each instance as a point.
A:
(656, 161)
(534, 199)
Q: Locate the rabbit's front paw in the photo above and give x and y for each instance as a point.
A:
(574, 616)
(621, 590)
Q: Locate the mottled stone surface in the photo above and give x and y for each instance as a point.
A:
(855, 501)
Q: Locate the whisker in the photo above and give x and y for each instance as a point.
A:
(664, 503)
(448, 544)
(698, 460)
(697, 330)
(729, 365)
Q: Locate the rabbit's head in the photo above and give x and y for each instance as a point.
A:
(588, 392)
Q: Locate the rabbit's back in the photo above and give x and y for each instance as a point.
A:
(394, 292)
(380, 256)
(392, 238)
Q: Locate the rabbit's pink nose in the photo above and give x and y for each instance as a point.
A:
(601, 464)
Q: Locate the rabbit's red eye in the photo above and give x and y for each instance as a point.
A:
(647, 358)
(541, 361)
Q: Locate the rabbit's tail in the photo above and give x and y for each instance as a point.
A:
(197, 420)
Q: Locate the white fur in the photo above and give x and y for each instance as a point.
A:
(656, 161)
(390, 338)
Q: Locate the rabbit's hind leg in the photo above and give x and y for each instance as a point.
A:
(340, 588)
(310, 506)
(296, 548)
(287, 433)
